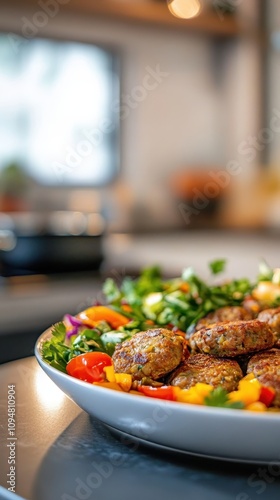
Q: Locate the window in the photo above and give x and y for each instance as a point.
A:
(59, 111)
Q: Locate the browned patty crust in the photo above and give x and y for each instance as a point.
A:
(222, 314)
(272, 318)
(266, 367)
(152, 354)
(208, 370)
(233, 338)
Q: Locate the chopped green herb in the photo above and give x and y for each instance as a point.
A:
(217, 266)
(219, 397)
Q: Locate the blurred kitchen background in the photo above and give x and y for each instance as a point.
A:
(130, 136)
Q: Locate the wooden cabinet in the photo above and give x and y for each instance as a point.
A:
(147, 11)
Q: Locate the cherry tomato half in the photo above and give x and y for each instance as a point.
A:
(164, 392)
(89, 366)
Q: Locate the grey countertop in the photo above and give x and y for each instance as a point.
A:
(63, 454)
(25, 303)
(28, 306)
(243, 251)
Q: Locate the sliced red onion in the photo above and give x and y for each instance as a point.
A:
(72, 332)
(72, 320)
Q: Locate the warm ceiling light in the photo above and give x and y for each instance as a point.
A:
(184, 8)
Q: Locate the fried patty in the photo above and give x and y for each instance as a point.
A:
(208, 370)
(223, 314)
(234, 338)
(272, 318)
(151, 354)
(277, 344)
(266, 367)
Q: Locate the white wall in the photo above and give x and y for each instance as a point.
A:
(184, 122)
(274, 76)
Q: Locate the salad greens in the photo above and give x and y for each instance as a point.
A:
(147, 301)
(58, 351)
(179, 302)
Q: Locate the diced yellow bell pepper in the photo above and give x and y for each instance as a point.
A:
(249, 376)
(109, 385)
(194, 395)
(248, 392)
(257, 406)
(247, 385)
(188, 396)
(110, 373)
(203, 389)
(124, 380)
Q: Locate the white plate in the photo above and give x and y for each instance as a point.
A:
(222, 433)
(125, 437)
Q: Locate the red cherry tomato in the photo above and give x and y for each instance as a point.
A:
(89, 366)
(164, 392)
